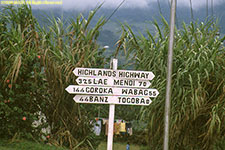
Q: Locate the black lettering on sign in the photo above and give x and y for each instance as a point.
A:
(131, 92)
(99, 90)
(99, 73)
(146, 75)
(82, 90)
(88, 99)
(96, 99)
(110, 91)
(92, 72)
(124, 100)
(79, 81)
(124, 91)
(105, 81)
(85, 81)
(146, 92)
(140, 92)
(119, 99)
(89, 81)
(101, 99)
(133, 100)
(86, 72)
(79, 72)
(91, 98)
(142, 101)
(121, 82)
(100, 81)
(106, 99)
(87, 90)
(142, 75)
(120, 74)
(127, 74)
(95, 90)
(128, 100)
(116, 82)
(150, 93)
(81, 99)
(106, 73)
(114, 74)
(137, 101)
(129, 82)
(142, 83)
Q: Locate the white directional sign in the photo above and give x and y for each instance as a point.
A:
(112, 86)
(124, 100)
(128, 74)
(74, 89)
(116, 82)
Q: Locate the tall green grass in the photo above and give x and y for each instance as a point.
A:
(46, 58)
(198, 89)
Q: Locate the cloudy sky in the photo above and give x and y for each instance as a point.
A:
(88, 4)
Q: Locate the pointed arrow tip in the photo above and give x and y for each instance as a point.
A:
(67, 89)
(153, 76)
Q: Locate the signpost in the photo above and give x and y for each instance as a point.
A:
(113, 82)
(112, 86)
(127, 74)
(123, 100)
(76, 89)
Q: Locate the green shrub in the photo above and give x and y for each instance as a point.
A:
(36, 66)
(21, 77)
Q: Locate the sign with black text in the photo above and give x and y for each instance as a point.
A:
(128, 74)
(112, 86)
(123, 100)
(96, 90)
(113, 82)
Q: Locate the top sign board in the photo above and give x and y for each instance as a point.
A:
(128, 74)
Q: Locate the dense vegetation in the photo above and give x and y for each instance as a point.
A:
(198, 89)
(36, 65)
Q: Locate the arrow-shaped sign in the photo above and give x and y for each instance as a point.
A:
(124, 100)
(115, 82)
(128, 74)
(74, 89)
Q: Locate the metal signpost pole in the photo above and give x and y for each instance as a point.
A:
(169, 74)
(111, 114)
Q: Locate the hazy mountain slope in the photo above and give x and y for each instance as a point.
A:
(138, 19)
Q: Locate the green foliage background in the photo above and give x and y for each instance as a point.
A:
(20, 73)
(198, 89)
(36, 65)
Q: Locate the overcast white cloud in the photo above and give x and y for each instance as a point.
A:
(199, 3)
(84, 4)
(90, 4)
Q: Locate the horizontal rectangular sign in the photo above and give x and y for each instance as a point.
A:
(128, 74)
(112, 100)
(74, 89)
(116, 82)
